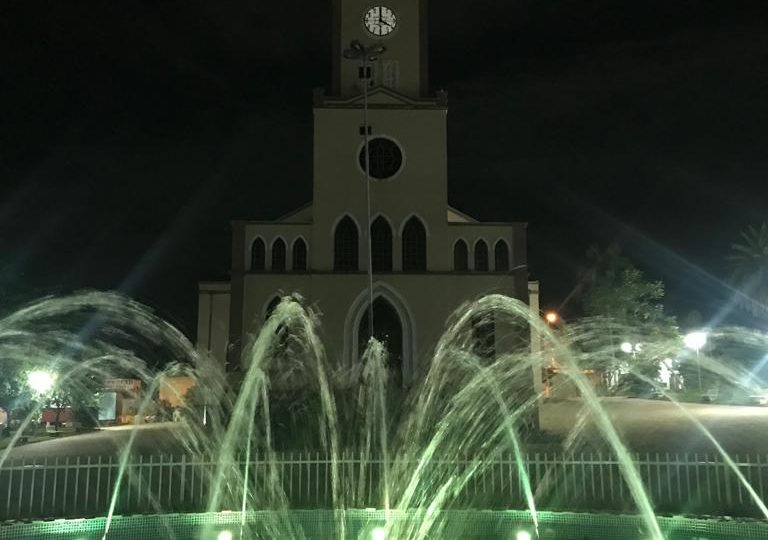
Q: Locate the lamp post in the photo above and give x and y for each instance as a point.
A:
(366, 55)
(696, 341)
(552, 317)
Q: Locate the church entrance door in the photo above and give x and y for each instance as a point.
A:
(388, 329)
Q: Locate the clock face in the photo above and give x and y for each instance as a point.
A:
(380, 21)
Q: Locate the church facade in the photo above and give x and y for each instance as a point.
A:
(427, 257)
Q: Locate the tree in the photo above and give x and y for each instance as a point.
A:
(618, 290)
(623, 307)
(748, 263)
(12, 384)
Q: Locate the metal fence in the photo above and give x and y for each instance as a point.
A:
(700, 484)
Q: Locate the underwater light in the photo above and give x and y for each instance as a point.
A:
(224, 535)
(378, 533)
(523, 535)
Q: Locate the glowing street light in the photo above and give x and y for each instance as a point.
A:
(40, 381)
(631, 348)
(551, 317)
(696, 341)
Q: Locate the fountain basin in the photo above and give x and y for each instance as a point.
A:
(368, 525)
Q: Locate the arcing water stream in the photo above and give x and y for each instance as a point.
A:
(421, 448)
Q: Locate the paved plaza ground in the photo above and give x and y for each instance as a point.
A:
(662, 426)
(645, 425)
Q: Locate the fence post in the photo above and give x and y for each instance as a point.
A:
(44, 486)
(727, 481)
(182, 481)
(65, 495)
(32, 487)
(98, 483)
(87, 484)
(21, 488)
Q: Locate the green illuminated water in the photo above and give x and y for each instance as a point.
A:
(421, 447)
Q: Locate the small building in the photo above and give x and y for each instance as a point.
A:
(174, 388)
(119, 401)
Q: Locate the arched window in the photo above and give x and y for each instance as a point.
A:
(460, 256)
(481, 256)
(414, 246)
(299, 262)
(345, 246)
(501, 256)
(388, 329)
(381, 245)
(258, 256)
(278, 255)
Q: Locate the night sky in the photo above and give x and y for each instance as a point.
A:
(131, 133)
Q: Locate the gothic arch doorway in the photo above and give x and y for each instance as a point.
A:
(388, 329)
(392, 325)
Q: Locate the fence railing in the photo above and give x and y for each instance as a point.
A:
(675, 483)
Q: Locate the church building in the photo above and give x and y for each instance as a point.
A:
(428, 258)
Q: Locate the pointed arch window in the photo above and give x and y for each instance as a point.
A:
(278, 255)
(501, 256)
(460, 256)
(481, 256)
(381, 245)
(299, 261)
(258, 256)
(345, 246)
(414, 246)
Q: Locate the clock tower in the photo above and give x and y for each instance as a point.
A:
(407, 129)
(399, 25)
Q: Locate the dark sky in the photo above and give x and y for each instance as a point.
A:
(131, 133)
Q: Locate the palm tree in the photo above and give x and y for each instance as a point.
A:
(749, 263)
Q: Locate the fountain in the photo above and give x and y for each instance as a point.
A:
(294, 448)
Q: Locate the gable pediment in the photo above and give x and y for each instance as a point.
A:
(381, 96)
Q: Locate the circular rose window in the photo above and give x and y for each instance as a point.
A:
(386, 158)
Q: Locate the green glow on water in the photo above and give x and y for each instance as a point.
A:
(463, 413)
(379, 533)
(463, 525)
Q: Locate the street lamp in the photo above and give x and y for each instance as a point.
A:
(551, 317)
(631, 348)
(696, 341)
(41, 382)
(366, 55)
